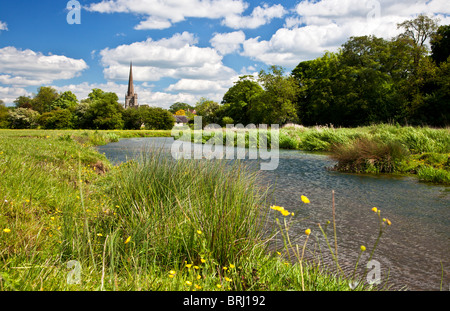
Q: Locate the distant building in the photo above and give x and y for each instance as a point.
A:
(180, 120)
(131, 98)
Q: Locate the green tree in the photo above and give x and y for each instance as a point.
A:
(208, 110)
(104, 111)
(4, 123)
(237, 100)
(156, 118)
(277, 104)
(56, 119)
(24, 102)
(66, 100)
(178, 106)
(418, 31)
(43, 100)
(440, 44)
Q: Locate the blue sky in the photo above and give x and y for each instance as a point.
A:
(181, 50)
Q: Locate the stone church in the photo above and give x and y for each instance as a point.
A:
(131, 98)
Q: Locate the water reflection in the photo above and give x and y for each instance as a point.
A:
(410, 251)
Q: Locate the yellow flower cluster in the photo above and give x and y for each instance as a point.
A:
(281, 210)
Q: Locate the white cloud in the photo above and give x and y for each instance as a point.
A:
(226, 43)
(26, 67)
(175, 57)
(319, 26)
(162, 14)
(3, 26)
(9, 94)
(259, 16)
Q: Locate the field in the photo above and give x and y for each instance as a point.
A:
(69, 220)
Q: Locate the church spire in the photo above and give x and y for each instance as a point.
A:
(130, 81)
(131, 96)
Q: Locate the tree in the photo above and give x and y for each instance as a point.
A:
(4, 123)
(207, 109)
(104, 112)
(237, 100)
(156, 118)
(277, 104)
(56, 119)
(180, 106)
(418, 31)
(43, 100)
(24, 102)
(66, 100)
(440, 44)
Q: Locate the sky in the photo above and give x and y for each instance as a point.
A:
(181, 50)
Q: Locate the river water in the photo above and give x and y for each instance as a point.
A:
(413, 253)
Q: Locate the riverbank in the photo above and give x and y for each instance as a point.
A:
(418, 151)
(144, 225)
(422, 152)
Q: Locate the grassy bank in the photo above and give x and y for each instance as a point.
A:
(420, 151)
(154, 224)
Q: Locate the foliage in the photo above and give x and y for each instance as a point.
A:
(4, 123)
(156, 118)
(440, 44)
(180, 106)
(56, 119)
(22, 118)
(104, 112)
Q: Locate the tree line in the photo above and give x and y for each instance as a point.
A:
(369, 80)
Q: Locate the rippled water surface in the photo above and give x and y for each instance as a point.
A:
(412, 252)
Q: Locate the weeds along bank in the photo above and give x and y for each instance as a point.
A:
(420, 151)
(70, 220)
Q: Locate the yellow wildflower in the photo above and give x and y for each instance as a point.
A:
(308, 231)
(171, 276)
(228, 279)
(199, 277)
(128, 240)
(224, 268)
(285, 213)
(7, 230)
(374, 209)
(363, 248)
(189, 265)
(197, 286)
(172, 272)
(188, 283)
(202, 260)
(388, 222)
(199, 232)
(305, 199)
(219, 286)
(99, 234)
(232, 266)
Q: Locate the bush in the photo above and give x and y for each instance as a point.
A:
(57, 119)
(22, 118)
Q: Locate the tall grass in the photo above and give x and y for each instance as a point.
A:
(163, 203)
(150, 224)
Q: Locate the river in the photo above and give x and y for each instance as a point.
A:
(413, 252)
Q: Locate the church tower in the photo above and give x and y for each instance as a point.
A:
(131, 99)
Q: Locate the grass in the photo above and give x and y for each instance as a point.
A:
(149, 224)
(419, 151)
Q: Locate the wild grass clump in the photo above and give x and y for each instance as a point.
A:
(369, 155)
(163, 204)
